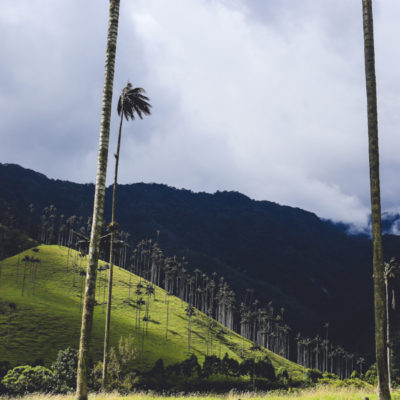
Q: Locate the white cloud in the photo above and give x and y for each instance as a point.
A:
(266, 98)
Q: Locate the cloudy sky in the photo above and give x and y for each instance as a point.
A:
(264, 97)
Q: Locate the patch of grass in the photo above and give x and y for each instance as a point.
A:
(47, 316)
(315, 394)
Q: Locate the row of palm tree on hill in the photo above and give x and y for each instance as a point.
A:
(263, 325)
(209, 294)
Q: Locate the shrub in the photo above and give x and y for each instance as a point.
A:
(211, 366)
(329, 375)
(347, 383)
(229, 366)
(64, 371)
(247, 367)
(158, 368)
(370, 376)
(313, 375)
(264, 369)
(191, 366)
(282, 373)
(121, 365)
(355, 374)
(27, 379)
(173, 369)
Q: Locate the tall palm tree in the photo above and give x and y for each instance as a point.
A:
(132, 101)
(378, 267)
(190, 312)
(98, 209)
(390, 271)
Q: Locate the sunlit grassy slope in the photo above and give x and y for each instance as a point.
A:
(47, 316)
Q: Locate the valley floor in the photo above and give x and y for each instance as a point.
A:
(311, 394)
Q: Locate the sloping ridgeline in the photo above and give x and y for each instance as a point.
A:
(310, 267)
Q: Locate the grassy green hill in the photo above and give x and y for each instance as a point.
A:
(41, 314)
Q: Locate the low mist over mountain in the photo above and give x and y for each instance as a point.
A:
(309, 266)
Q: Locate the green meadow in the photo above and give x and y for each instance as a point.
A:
(318, 393)
(47, 316)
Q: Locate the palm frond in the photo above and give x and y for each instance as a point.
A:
(133, 101)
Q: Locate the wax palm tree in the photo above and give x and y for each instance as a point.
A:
(189, 312)
(98, 209)
(132, 101)
(391, 270)
(167, 295)
(379, 285)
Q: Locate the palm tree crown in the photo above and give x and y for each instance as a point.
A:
(131, 101)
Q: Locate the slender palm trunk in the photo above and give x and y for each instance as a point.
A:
(98, 209)
(110, 277)
(166, 324)
(388, 333)
(378, 266)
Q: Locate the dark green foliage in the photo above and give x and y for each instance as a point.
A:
(191, 367)
(211, 366)
(264, 369)
(370, 376)
(64, 371)
(282, 373)
(173, 369)
(188, 377)
(247, 367)
(13, 240)
(27, 379)
(354, 374)
(4, 367)
(313, 375)
(229, 366)
(329, 375)
(158, 368)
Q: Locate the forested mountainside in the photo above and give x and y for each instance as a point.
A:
(289, 256)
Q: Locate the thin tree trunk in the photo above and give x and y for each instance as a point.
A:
(110, 279)
(166, 324)
(98, 209)
(388, 333)
(378, 266)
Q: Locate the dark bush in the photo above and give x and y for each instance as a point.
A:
(173, 369)
(211, 366)
(158, 368)
(64, 371)
(264, 369)
(247, 367)
(229, 366)
(191, 366)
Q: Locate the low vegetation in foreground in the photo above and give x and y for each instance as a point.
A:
(318, 393)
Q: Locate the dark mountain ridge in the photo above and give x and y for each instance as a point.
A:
(309, 266)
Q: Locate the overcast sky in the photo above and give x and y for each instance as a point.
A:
(264, 97)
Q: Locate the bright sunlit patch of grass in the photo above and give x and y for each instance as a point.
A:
(47, 317)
